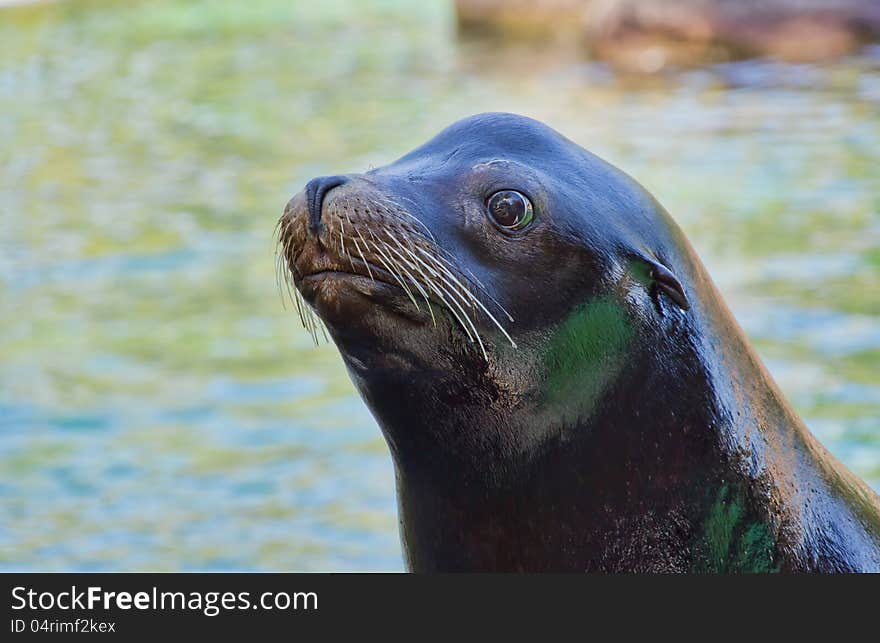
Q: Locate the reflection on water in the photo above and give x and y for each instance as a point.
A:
(158, 407)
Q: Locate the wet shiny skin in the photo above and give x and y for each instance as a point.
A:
(627, 425)
(145, 160)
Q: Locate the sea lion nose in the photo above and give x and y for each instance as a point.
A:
(316, 190)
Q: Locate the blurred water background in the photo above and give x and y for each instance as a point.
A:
(160, 410)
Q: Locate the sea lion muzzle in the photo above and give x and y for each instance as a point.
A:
(342, 231)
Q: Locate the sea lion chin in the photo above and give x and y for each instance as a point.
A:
(559, 382)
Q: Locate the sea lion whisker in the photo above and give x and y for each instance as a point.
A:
(473, 277)
(450, 284)
(303, 316)
(277, 230)
(323, 330)
(316, 324)
(283, 233)
(302, 311)
(439, 290)
(464, 296)
(471, 296)
(281, 282)
(471, 323)
(443, 256)
(297, 302)
(386, 261)
(292, 292)
(363, 258)
(278, 268)
(463, 318)
(287, 278)
(306, 314)
(341, 230)
(413, 279)
(405, 212)
(439, 260)
(348, 254)
(448, 268)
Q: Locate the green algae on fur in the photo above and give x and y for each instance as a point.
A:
(732, 540)
(586, 353)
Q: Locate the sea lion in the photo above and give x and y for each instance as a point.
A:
(560, 384)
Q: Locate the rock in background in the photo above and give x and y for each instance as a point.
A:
(648, 35)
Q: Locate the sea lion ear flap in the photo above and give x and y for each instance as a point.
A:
(669, 284)
(663, 280)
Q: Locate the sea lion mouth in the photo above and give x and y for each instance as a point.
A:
(322, 273)
(326, 277)
(365, 242)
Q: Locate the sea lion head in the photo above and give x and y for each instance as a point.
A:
(495, 273)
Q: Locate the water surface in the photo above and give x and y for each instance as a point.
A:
(160, 410)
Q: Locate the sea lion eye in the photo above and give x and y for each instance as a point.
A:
(510, 209)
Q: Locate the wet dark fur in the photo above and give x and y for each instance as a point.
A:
(633, 428)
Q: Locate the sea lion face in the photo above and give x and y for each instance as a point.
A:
(468, 266)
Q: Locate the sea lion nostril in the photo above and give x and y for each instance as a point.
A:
(316, 190)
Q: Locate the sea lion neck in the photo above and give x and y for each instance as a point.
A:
(618, 490)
